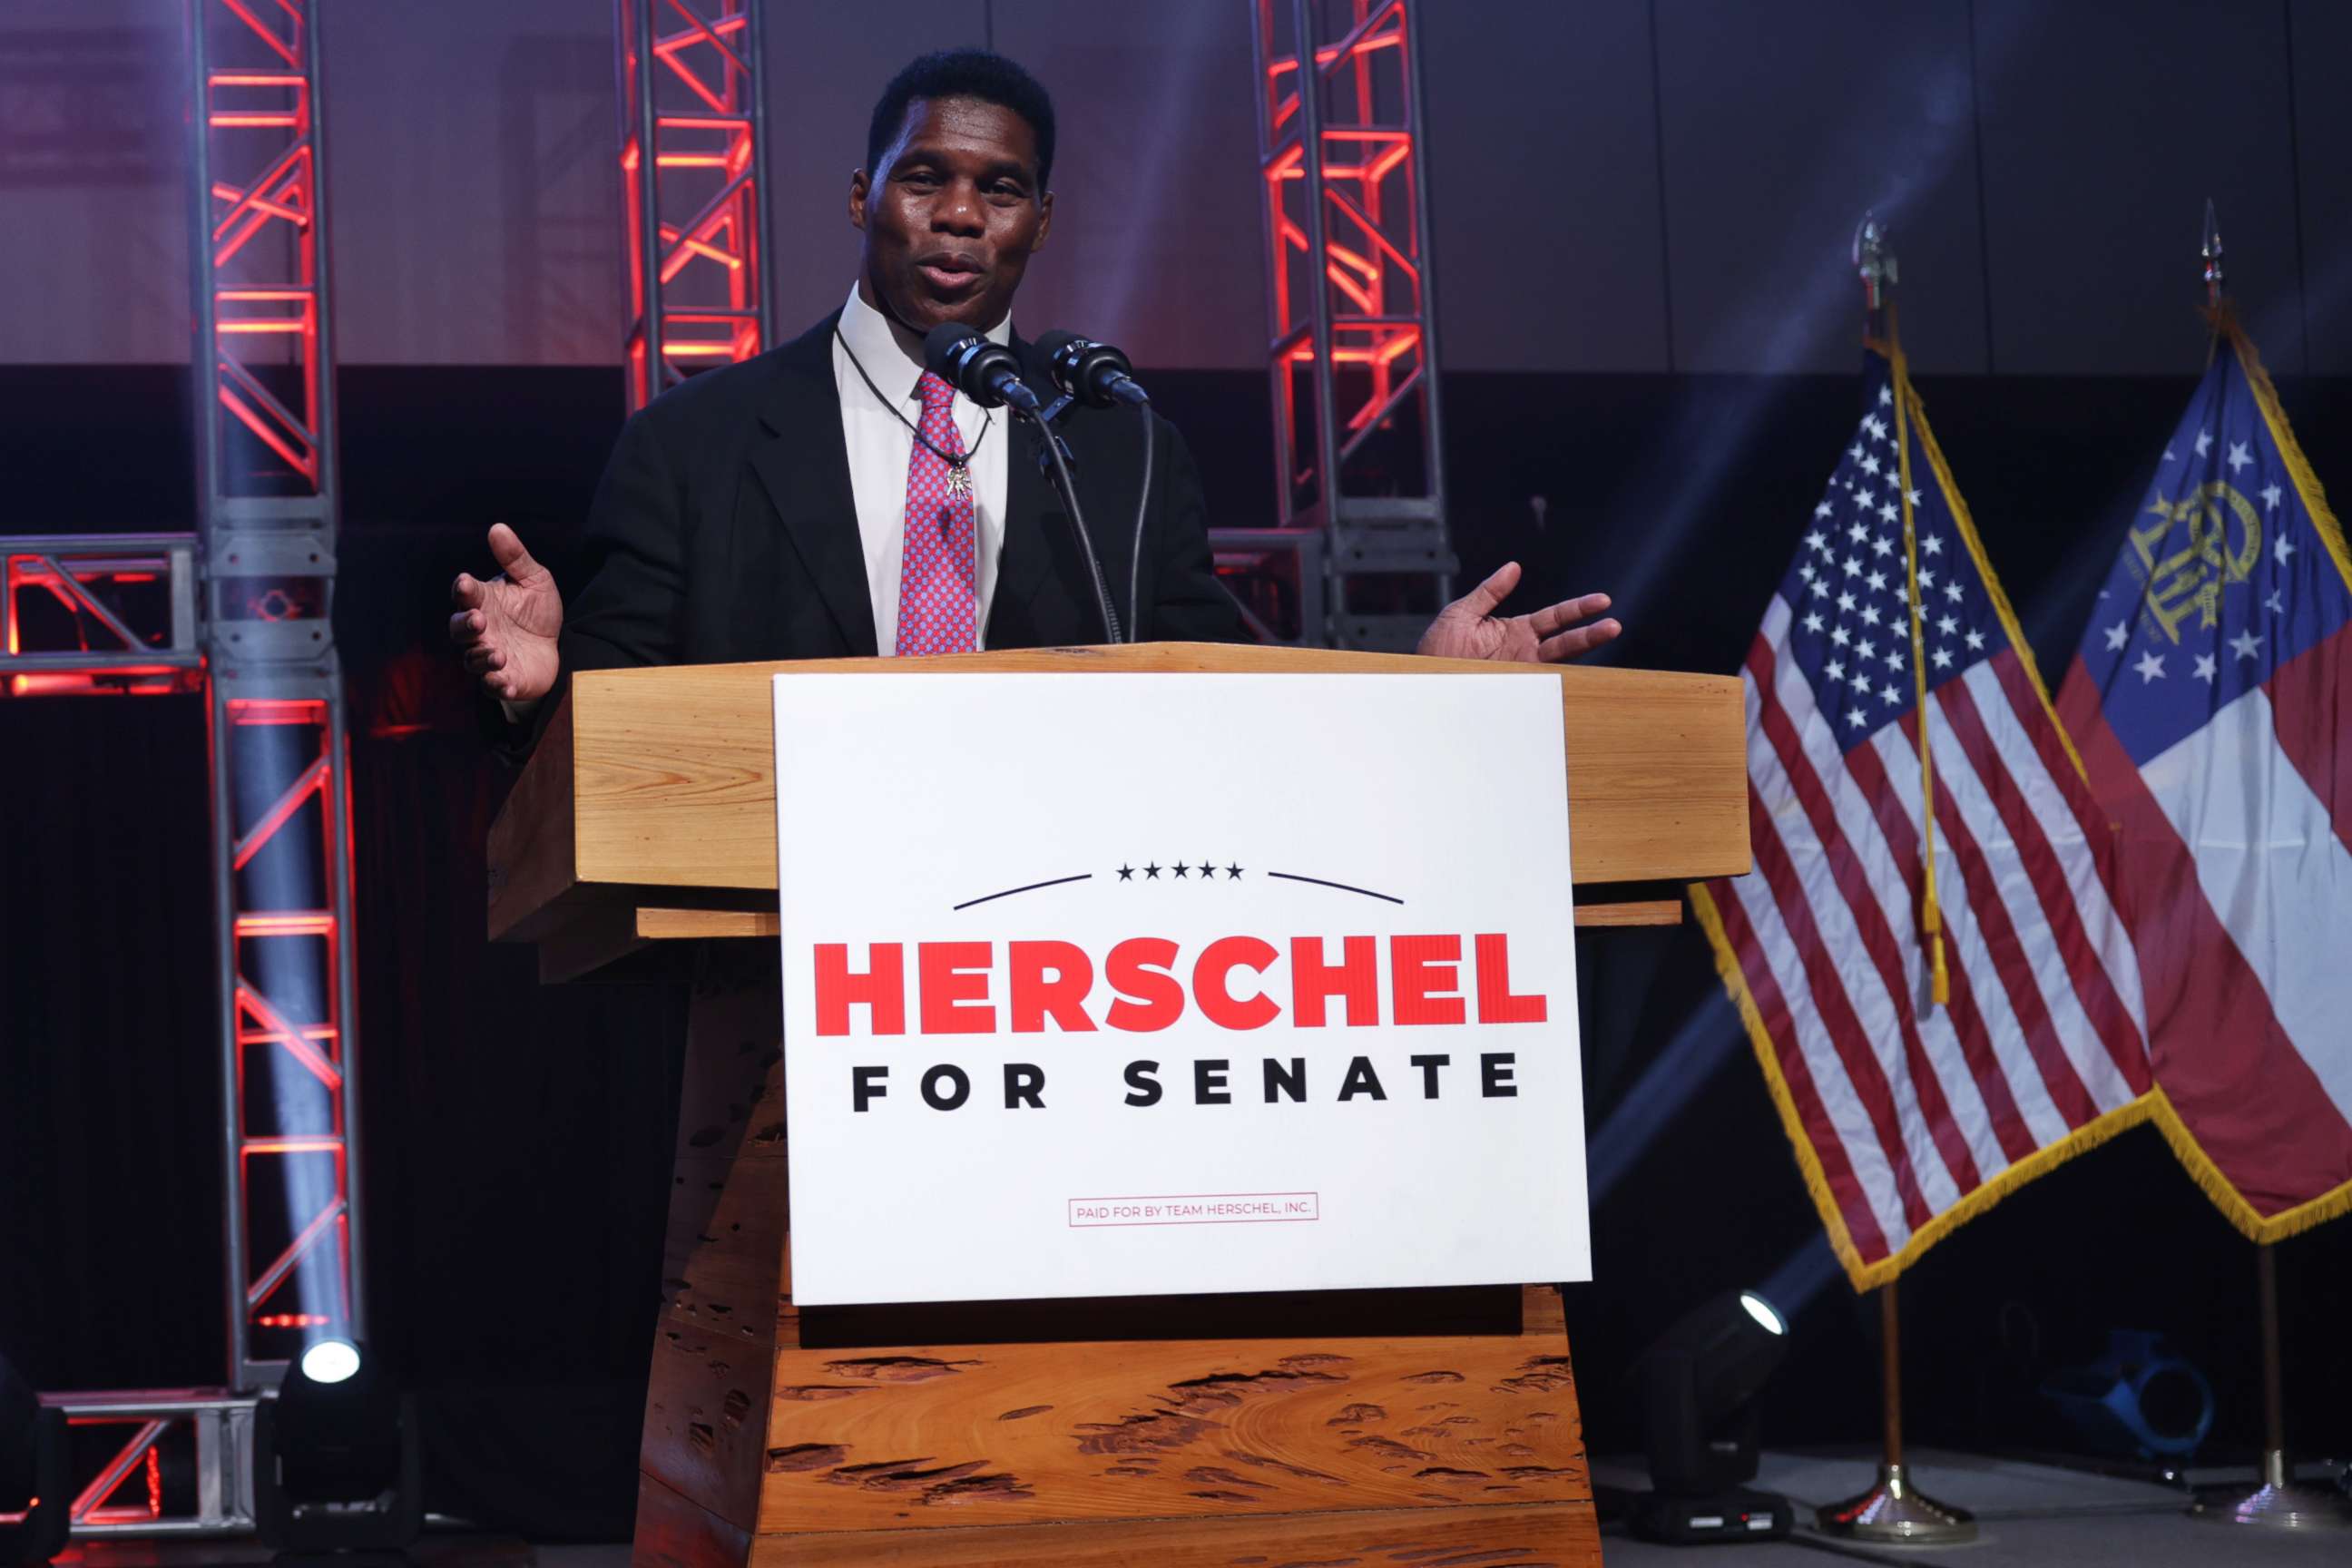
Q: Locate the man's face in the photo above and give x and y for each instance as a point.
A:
(951, 215)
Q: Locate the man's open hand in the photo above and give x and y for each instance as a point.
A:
(1469, 629)
(505, 627)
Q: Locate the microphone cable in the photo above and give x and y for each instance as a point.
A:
(1078, 524)
(1135, 554)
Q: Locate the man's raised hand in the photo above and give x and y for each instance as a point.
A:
(1468, 628)
(505, 627)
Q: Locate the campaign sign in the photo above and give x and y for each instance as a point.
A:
(1138, 985)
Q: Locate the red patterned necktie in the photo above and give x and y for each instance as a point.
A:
(939, 599)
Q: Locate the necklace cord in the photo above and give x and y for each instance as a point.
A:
(987, 420)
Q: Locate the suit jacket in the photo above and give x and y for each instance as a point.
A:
(724, 530)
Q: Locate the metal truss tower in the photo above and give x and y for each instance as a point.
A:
(268, 502)
(239, 611)
(1353, 353)
(694, 175)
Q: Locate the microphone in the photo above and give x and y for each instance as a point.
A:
(982, 371)
(1093, 372)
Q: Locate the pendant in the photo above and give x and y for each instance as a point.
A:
(958, 480)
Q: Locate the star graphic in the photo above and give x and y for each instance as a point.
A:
(2151, 666)
(1858, 532)
(1947, 625)
(1882, 546)
(2238, 457)
(2169, 456)
(1821, 510)
(1814, 541)
(1927, 577)
(1821, 588)
(1853, 717)
(1933, 544)
(1885, 396)
(1806, 572)
(1854, 451)
(1834, 669)
(1813, 621)
(1179, 869)
(2204, 671)
(1943, 659)
(1838, 635)
(1889, 512)
(1865, 651)
(1845, 601)
(1895, 658)
(1888, 693)
(1870, 615)
(2270, 494)
(1232, 873)
(1876, 427)
(1127, 873)
(1911, 495)
(2204, 443)
(1208, 872)
(1152, 873)
(2118, 634)
(1952, 591)
(2282, 547)
(1975, 640)
(1861, 680)
(1853, 564)
(2245, 644)
(2275, 604)
(1870, 465)
(1876, 580)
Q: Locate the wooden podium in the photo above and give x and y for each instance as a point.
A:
(1379, 1428)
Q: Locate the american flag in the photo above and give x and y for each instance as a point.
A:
(1908, 1116)
(2212, 697)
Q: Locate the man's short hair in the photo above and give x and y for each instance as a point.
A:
(965, 73)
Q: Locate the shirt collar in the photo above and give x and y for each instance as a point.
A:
(892, 355)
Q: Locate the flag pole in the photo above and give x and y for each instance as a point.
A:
(1875, 262)
(2277, 1501)
(1892, 1508)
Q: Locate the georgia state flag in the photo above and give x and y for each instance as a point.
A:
(2211, 698)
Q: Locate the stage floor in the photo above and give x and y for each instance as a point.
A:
(2028, 1515)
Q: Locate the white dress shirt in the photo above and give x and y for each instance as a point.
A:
(881, 446)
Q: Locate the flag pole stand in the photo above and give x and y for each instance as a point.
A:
(2278, 1501)
(1894, 1510)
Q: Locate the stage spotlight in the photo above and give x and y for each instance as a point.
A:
(1699, 1384)
(338, 1463)
(2138, 1400)
(34, 1500)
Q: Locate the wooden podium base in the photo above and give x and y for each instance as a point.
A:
(1375, 1428)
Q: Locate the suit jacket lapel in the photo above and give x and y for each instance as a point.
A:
(1031, 507)
(803, 463)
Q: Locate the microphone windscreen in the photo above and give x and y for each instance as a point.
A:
(939, 345)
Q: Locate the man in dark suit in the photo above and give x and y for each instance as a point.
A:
(831, 498)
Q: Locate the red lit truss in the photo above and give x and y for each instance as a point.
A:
(262, 270)
(1352, 347)
(163, 1462)
(281, 814)
(91, 614)
(696, 208)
